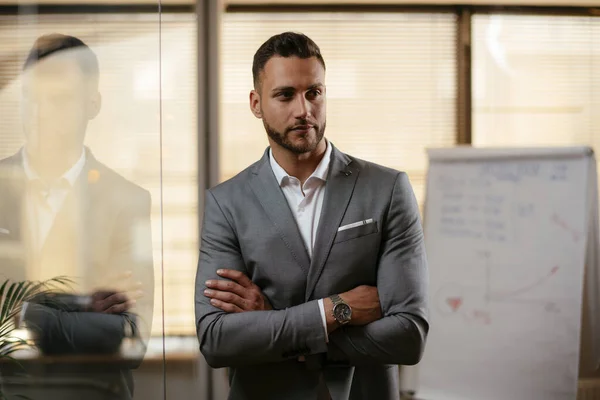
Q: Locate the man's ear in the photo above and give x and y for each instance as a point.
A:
(95, 106)
(255, 104)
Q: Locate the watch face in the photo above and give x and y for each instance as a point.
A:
(342, 312)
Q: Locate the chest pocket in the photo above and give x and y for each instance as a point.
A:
(356, 232)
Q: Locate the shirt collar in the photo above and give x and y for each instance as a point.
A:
(320, 172)
(70, 175)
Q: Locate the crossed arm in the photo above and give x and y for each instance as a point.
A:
(236, 326)
(246, 338)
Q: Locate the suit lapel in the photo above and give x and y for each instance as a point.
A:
(340, 184)
(267, 190)
(75, 218)
(87, 187)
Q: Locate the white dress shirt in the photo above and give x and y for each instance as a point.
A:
(45, 199)
(305, 202)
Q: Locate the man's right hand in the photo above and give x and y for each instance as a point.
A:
(364, 301)
(110, 302)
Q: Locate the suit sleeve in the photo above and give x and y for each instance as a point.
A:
(132, 251)
(402, 282)
(60, 330)
(248, 338)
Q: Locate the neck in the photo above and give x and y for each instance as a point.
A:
(301, 165)
(51, 168)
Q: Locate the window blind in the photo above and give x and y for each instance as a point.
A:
(536, 80)
(391, 85)
(126, 133)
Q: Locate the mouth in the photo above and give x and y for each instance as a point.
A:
(302, 128)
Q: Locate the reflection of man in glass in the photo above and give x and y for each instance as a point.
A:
(72, 216)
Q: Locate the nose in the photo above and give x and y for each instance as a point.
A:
(302, 107)
(41, 109)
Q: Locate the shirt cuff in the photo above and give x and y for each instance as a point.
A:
(323, 318)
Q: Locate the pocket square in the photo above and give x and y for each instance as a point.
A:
(4, 231)
(355, 224)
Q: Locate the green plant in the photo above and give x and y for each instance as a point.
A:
(12, 297)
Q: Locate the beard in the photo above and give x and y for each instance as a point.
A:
(282, 138)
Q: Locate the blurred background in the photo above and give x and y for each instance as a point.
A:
(402, 76)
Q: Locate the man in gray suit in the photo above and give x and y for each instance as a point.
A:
(312, 277)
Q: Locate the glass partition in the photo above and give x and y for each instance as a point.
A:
(98, 201)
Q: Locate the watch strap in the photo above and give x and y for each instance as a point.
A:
(336, 299)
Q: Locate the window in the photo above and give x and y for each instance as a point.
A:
(391, 85)
(536, 80)
(126, 134)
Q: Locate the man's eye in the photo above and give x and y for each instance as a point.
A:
(314, 93)
(286, 95)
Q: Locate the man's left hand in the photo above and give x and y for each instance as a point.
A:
(238, 294)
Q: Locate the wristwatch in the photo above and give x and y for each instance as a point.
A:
(342, 312)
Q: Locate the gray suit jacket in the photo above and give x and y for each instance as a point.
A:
(248, 226)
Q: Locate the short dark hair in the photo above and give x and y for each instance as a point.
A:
(47, 45)
(286, 44)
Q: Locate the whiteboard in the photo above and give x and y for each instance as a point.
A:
(506, 233)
